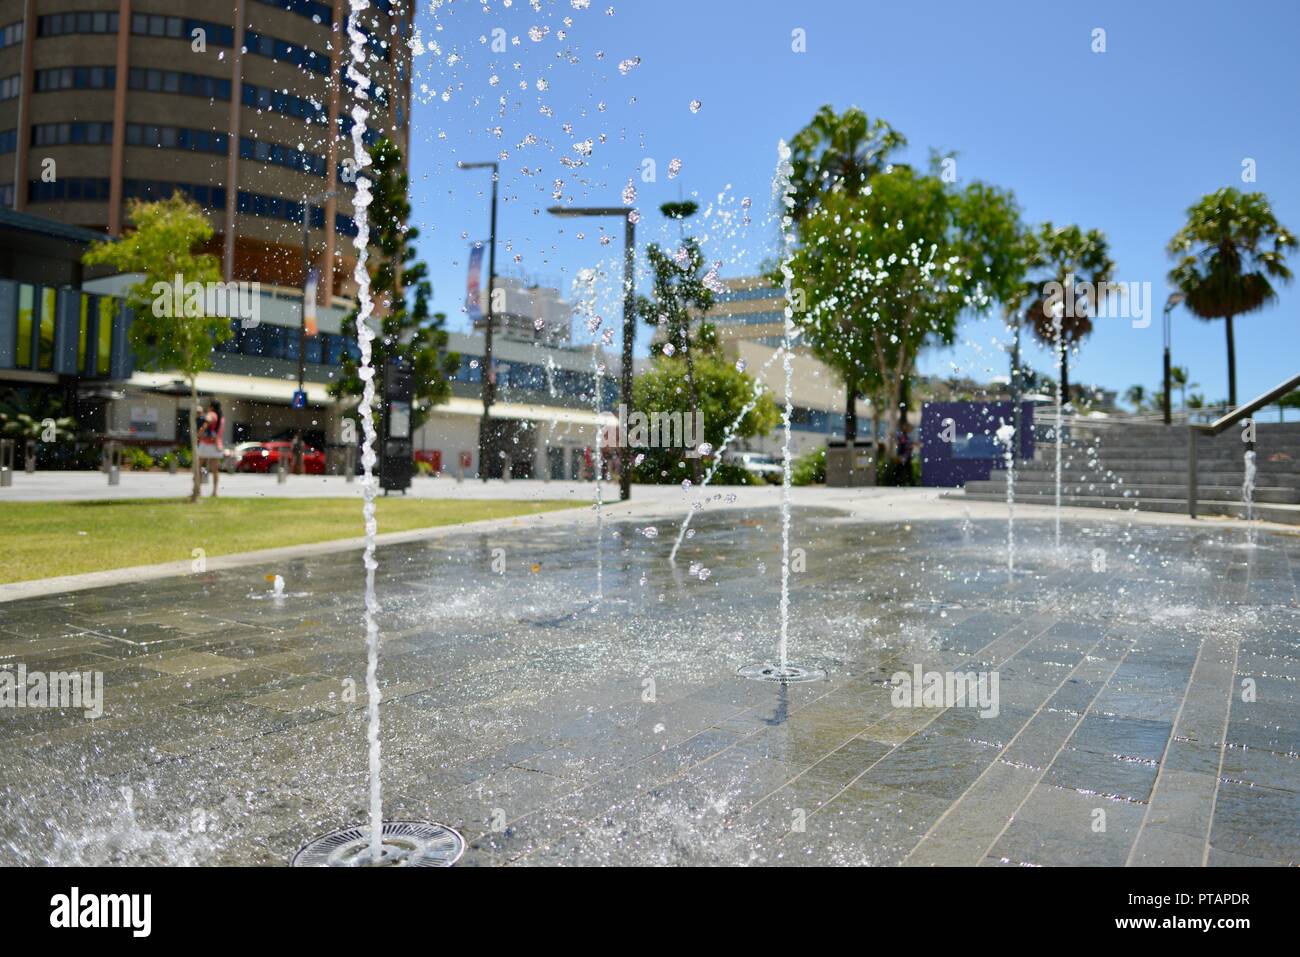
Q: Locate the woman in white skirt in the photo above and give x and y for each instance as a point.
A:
(210, 450)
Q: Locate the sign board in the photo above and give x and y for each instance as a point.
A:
(299, 399)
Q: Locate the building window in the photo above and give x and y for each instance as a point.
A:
(76, 78)
(7, 194)
(8, 141)
(45, 349)
(264, 151)
(10, 86)
(209, 197)
(11, 34)
(83, 334)
(176, 138)
(181, 28)
(26, 303)
(104, 335)
(84, 21)
(272, 48)
(172, 81)
(68, 188)
(77, 134)
(317, 12)
(261, 98)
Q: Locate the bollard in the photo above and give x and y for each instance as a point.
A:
(6, 462)
(281, 471)
(171, 465)
(350, 462)
(506, 469)
(29, 457)
(113, 463)
(460, 471)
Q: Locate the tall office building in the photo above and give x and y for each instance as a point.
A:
(244, 105)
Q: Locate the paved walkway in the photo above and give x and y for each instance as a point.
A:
(1147, 706)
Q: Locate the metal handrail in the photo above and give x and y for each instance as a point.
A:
(1194, 429)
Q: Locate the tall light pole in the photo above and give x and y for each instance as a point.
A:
(629, 314)
(486, 446)
(302, 320)
(1174, 299)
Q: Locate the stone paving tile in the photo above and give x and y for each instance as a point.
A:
(520, 696)
(1257, 822)
(1110, 775)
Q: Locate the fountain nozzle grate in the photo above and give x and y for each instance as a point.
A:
(402, 844)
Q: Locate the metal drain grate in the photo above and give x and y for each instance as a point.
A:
(790, 674)
(403, 844)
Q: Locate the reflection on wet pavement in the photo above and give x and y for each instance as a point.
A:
(554, 729)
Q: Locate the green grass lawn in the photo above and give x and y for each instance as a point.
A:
(44, 539)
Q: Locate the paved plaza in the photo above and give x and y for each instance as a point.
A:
(1148, 710)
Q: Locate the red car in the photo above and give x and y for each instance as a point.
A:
(266, 458)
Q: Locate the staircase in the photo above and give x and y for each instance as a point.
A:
(1122, 464)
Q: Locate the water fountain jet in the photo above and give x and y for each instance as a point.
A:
(379, 842)
(783, 671)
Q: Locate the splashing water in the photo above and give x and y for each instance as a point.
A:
(1060, 370)
(365, 306)
(727, 438)
(1248, 494)
(785, 187)
(1006, 437)
(599, 468)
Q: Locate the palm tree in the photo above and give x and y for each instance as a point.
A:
(838, 152)
(1180, 378)
(1227, 252)
(1137, 394)
(1065, 255)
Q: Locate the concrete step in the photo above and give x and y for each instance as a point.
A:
(1216, 493)
(1283, 514)
(1143, 476)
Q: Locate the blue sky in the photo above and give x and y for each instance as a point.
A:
(1122, 140)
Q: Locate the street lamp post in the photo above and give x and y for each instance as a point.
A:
(485, 445)
(629, 313)
(1173, 300)
(302, 320)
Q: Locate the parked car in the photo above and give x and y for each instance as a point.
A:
(265, 457)
(765, 467)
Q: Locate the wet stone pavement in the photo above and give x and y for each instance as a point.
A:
(1148, 705)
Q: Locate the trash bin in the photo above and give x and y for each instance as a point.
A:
(850, 464)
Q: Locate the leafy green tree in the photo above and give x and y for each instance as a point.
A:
(176, 335)
(401, 290)
(1137, 394)
(1228, 254)
(679, 299)
(809, 468)
(724, 392)
(884, 274)
(1067, 255)
(837, 153)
